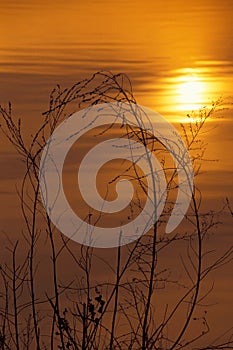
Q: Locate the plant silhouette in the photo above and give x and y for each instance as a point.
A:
(112, 300)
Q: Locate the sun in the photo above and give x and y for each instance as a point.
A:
(190, 93)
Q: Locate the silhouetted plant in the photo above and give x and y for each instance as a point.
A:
(83, 313)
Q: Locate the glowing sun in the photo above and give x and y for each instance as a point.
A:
(190, 91)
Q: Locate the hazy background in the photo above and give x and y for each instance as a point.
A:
(178, 55)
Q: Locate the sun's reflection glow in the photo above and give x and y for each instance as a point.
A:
(190, 93)
(187, 90)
